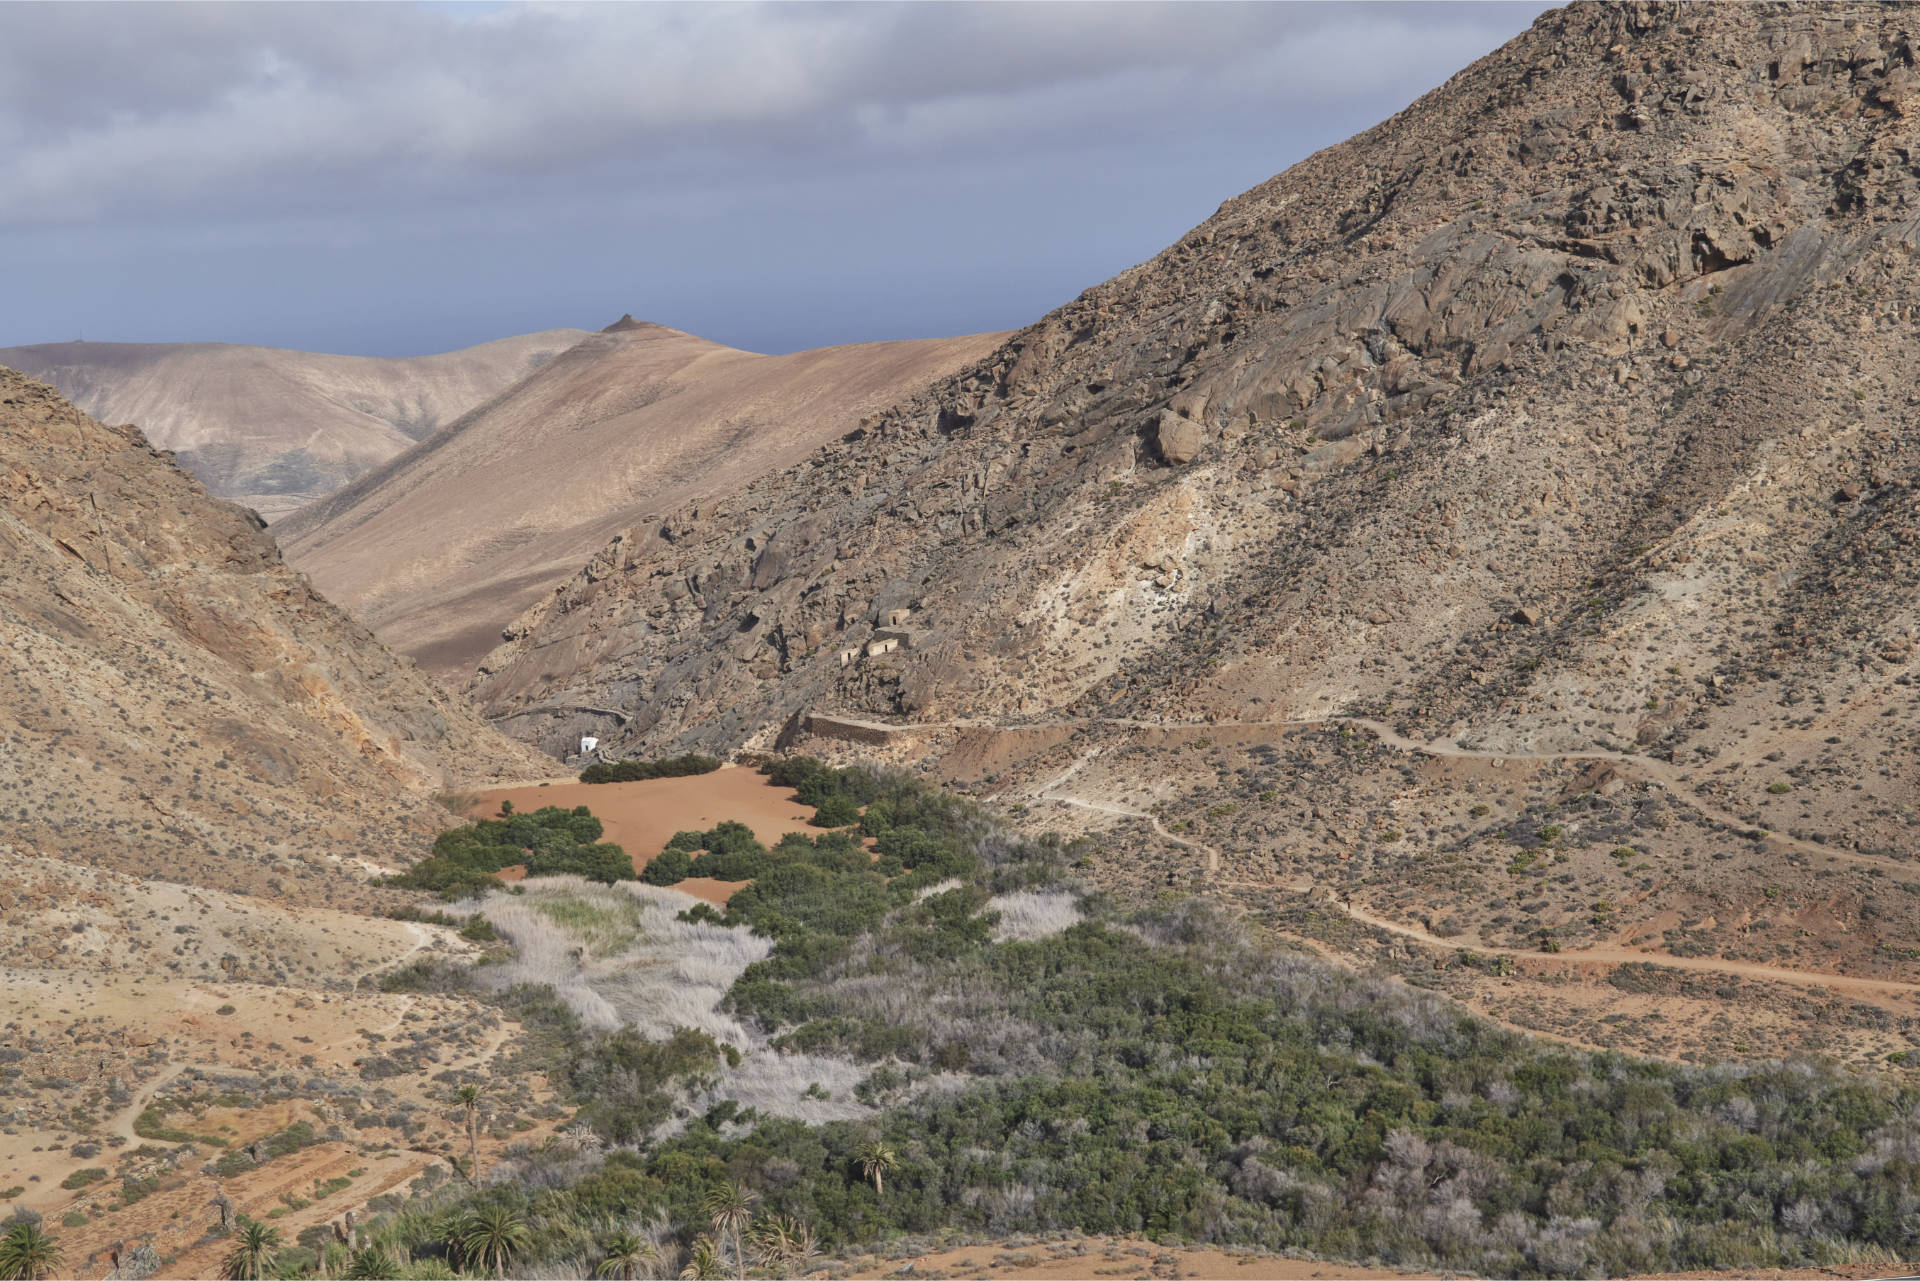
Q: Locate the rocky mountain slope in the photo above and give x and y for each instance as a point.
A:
(1559, 429)
(444, 545)
(273, 429)
(202, 766)
(177, 703)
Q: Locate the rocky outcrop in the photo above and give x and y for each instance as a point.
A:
(1589, 337)
(442, 547)
(1178, 438)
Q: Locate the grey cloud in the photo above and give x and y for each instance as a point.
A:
(176, 110)
(404, 178)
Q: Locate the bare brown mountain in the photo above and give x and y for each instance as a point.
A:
(1495, 534)
(443, 546)
(273, 429)
(176, 702)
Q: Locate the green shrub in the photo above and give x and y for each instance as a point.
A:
(83, 1178)
(836, 811)
(730, 852)
(151, 1124)
(479, 929)
(669, 867)
(636, 771)
(623, 1078)
(1160, 1071)
(551, 841)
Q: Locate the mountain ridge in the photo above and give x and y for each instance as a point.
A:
(1563, 411)
(441, 546)
(273, 428)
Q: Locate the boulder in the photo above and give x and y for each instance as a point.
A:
(1178, 439)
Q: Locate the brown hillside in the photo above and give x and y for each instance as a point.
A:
(1497, 533)
(273, 429)
(202, 763)
(176, 701)
(443, 546)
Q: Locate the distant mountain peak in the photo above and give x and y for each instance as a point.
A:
(627, 322)
(275, 429)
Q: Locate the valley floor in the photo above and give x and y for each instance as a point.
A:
(1656, 970)
(361, 1078)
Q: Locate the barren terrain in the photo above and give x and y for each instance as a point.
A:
(203, 765)
(181, 1024)
(1494, 537)
(1079, 1258)
(274, 429)
(439, 549)
(177, 702)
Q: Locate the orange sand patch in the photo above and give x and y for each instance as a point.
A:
(705, 887)
(642, 817)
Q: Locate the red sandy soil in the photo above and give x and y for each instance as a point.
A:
(642, 817)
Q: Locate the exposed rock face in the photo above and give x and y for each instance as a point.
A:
(175, 702)
(1591, 337)
(274, 429)
(1178, 438)
(442, 547)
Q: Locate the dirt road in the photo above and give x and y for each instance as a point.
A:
(1657, 773)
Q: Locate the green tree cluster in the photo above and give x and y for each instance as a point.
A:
(551, 841)
(636, 771)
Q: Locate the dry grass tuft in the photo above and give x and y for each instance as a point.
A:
(1034, 914)
(620, 956)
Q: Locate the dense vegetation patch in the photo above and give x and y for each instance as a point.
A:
(635, 771)
(551, 841)
(1163, 1071)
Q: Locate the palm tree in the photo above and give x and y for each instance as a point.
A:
(728, 1208)
(492, 1235)
(877, 1160)
(334, 1260)
(468, 1099)
(27, 1253)
(374, 1263)
(784, 1246)
(254, 1253)
(705, 1264)
(625, 1253)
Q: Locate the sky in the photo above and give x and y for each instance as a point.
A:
(398, 179)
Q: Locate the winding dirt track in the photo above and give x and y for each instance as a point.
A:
(1614, 955)
(1656, 773)
(1213, 855)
